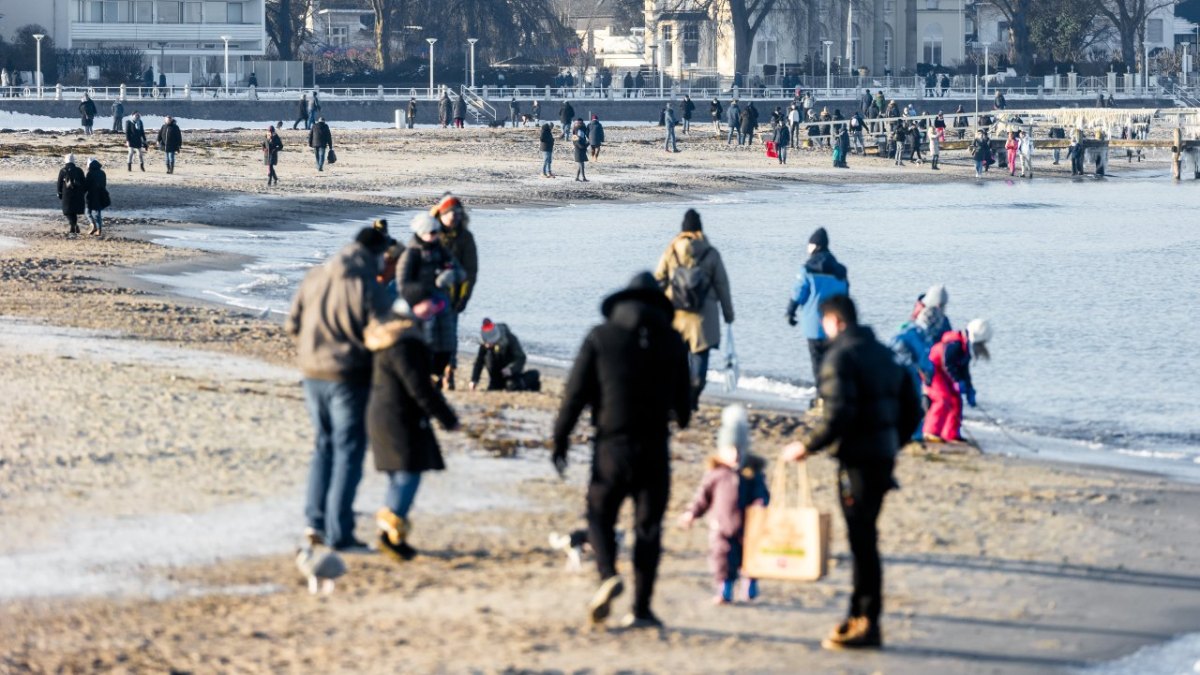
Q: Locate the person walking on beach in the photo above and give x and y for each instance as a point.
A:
(170, 141)
(566, 113)
(734, 114)
(301, 113)
(669, 120)
(1025, 153)
(503, 357)
(1075, 152)
(951, 358)
(118, 115)
(899, 135)
(783, 140)
(72, 189)
(403, 401)
(856, 131)
(935, 147)
(960, 122)
(746, 127)
(320, 139)
(693, 275)
(135, 141)
(328, 318)
(460, 112)
(444, 110)
(715, 111)
(842, 144)
(87, 114)
(314, 111)
(822, 278)
(579, 143)
(688, 108)
(410, 119)
(632, 371)
(98, 198)
(595, 136)
(733, 482)
(271, 146)
(870, 407)
(546, 143)
(514, 111)
(460, 242)
(1010, 148)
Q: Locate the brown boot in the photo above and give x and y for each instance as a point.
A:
(857, 632)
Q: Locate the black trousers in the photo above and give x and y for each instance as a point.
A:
(638, 469)
(862, 490)
(816, 352)
(73, 221)
(698, 369)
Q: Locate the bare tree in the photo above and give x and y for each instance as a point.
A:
(1020, 47)
(745, 18)
(1129, 18)
(386, 12)
(287, 26)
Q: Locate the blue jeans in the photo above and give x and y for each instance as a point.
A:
(97, 218)
(320, 153)
(338, 412)
(312, 118)
(698, 368)
(170, 157)
(547, 157)
(733, 132)
(402, 490)
(670, 143)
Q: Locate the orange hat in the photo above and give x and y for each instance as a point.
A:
(448, 203)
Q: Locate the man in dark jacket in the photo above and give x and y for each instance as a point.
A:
(458, 240)
(320, 139)
(72, 189)
(170, 140)
(135, 140)
(821, 278)
(715, 111)
(566, 113)
(627, 84)
(87, 114)
(595, 136)
(870, 407)
(745, 126)
(412, 112)
(328, 318)
(444, 110)
(514, 111)
(301, 113)
(118, 115)
(632, 371)
(689, 107)
(501, 354)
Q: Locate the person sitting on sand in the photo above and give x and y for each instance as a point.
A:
(734, 481)
(503, 357)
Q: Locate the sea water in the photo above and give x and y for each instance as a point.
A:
(1092, 287)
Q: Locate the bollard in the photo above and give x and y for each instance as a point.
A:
(122, 96)
(58, 92)
(1177, 151)
(399, 118)
(380, 92)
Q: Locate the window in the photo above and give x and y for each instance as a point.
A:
(691, 43)
(104, 11)
(668, 46)
(1154, 30)
(234, 12)
(932, 44)
(1002, 32)
(193, 12)
(931, 4)
(765, 51)
(886, 56)
(339, 36)
(170, 11)
(143, 11)
(889, 7)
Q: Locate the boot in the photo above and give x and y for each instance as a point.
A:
(448, 379)
(129, 166)
(143, 167)
(393, 535)
(855, 633)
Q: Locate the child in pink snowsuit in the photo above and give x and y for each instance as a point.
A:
(951, 358)
(1011, 145)
(733, 482)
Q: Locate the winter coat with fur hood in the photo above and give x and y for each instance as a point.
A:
(700, 330)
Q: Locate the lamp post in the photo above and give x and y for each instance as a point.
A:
(226, 39)
(660, 70)
(828, 71)
(976, 46)
(39, 37)
(472, 42)
(431, 42)
(654, 56)
(986, 61)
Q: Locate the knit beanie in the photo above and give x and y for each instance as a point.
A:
(691, 221)
(424, 224)
(735, 431)
(489, 332)
(820, 238)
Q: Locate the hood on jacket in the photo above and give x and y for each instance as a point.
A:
(689, 247)
(823, 262)
(638, 303)
(354, 260)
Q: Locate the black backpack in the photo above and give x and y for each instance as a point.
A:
(690, 285)
(69, 182)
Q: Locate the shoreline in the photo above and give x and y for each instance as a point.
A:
(994, 563)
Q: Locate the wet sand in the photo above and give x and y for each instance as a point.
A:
(152, 469)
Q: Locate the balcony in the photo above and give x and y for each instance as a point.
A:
(171, 32)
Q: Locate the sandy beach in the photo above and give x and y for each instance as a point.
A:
(152, 469)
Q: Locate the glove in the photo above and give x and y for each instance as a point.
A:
(791, 313)
(971, 397)
(791, 319)
(560, 460)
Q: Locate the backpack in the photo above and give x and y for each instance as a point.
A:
(69, 182)
(690, 285)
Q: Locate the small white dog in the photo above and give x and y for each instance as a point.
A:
(320, 568)
(576, 545)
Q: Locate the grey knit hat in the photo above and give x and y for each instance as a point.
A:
(735, 430)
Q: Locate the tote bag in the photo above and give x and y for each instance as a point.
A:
(788, 539)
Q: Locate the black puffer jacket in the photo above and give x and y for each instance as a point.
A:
(870, 402)
(97, 188)
(72, 188)
(421, 264)
(170, 138)
(632, 370)
(403, 399)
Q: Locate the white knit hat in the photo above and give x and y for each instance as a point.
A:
(424, 224)
(936, 296)
(69, 158)
(979, 330)
(735, 430)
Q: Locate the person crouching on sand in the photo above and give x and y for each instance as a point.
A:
(403, 399)
(734, 481)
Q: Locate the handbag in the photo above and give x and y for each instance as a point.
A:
(331, 157)
(789, 538)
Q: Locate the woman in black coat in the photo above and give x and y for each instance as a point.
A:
(271, 147)
(97, 196)
(403, 399)
(546, 143)
(72, 190)
(580, 141)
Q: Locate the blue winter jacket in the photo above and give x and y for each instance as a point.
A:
(823, 277)
(912, 350)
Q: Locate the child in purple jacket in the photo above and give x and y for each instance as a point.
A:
(733, 482)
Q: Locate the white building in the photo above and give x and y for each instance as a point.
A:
(342, 23)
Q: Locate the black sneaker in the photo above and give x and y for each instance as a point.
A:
(641, 621)
(351, 545)
(401, 552)
(601, 604)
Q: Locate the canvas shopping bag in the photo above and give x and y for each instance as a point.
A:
(789, 539)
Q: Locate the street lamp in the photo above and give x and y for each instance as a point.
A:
(472, 42)
(226, 39)
(654, 56)
(431, 41)
(38, 37)
(986, 62)
(828, 72)
(660, 70)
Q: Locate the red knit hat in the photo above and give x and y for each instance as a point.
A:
(449, 202)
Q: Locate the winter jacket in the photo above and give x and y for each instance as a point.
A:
(933, 323)
(87, 111)
(170, 138)
(580, 144)
(118, 109)
(783, 136)
(444, 109)
(421, 265)
(911, 348)
(320, 136)
(726, 492)
(97, 188)
(460, 242)
(870, 403)
(746, 123)
(331, 311)
(507, 352)
(735, 114)
(72, 189)
(403, 399)
(688, 108)
(753, 115)
(546, 141)
(632, 371)
(669, 118)
(460, 108)
(135, 133)
(566, 113)
(952, 356)
(823, 277)
(412, 110)
(715, 110)
(700, 330)
(302, 109)
(595, 133)
(271, 148)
